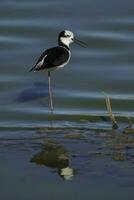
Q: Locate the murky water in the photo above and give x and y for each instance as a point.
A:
(40, 153)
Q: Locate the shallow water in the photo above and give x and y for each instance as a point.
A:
(77, 135)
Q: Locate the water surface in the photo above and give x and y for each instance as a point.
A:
(40, 153)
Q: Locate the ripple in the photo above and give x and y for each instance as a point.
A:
(24, 23)
(124, 20)
(110, 35)
(14, 39)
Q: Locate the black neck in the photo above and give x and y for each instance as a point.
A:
(63, 45)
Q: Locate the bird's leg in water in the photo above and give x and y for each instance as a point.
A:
(50, 92)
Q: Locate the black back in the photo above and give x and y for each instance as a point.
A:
(53, 57)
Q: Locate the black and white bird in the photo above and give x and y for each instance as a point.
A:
(56, 57)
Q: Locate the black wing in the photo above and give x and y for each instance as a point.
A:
(52, 57)
(38, 66)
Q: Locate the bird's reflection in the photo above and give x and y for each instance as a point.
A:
(36, 91)
(54, 155)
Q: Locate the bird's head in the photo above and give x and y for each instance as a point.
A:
(66, 37)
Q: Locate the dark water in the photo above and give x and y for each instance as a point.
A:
(41, 153)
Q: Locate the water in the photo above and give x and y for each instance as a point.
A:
(39, 151)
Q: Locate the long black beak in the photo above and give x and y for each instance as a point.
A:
(82, 44)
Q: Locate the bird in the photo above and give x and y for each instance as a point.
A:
(56, 57)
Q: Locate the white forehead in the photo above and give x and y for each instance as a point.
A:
(68, 33)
